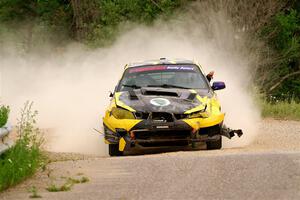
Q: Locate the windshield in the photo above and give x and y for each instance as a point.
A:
(169, 76)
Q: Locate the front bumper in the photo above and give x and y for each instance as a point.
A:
(149, 133)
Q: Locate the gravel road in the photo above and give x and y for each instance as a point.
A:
(267, 169)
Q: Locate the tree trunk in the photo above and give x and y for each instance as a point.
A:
(84, 13)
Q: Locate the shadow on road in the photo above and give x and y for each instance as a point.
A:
(158, 150)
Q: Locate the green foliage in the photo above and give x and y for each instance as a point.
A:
(4, 112)
(32, 23)
(34, 193)
(17, 9)
(286, 26)
(25, 10)
(290, 89)
(80, 180)
(283, 35)
(25, 157)
(281, 110)
(65, 187)
(113, 12)
(58, 16)
(69, 183)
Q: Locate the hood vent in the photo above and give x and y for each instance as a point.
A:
(160, 93)
(132, 95)
(192, 96)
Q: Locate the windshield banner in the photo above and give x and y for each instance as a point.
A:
(163, 68)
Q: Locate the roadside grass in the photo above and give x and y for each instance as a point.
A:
(4, 111)
(75, 181)
(25, 157)
(63, 188)
(70, 182)
(288, 110)
(34, 193)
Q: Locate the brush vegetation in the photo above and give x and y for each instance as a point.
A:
(4, 111)
(69, 183)
(63, 188)
(280, 75)
(289, 110)
(25, 157)
(34, 193)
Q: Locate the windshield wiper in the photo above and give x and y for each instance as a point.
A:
(132, 86)
(168, 86)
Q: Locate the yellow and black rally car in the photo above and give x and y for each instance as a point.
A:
(164, 103)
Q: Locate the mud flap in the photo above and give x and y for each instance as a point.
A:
(229, 133)
(124, 144)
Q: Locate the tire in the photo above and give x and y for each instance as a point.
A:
(211, 145)
(114, 150)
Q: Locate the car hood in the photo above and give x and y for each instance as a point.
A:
(169, 100)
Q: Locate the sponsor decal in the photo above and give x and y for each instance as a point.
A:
(162, 127)
(185, 68)
(162, 68)
(160, 102)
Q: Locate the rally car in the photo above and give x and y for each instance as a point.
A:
(163, 103)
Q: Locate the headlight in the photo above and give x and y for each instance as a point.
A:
(200, 114)
(121, 113)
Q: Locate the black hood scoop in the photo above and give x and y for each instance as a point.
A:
(132, 95)
(157, 92)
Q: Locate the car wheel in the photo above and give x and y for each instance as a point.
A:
(114, 150)
(214, 144)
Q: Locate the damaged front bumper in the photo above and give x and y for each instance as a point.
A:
(148, 133)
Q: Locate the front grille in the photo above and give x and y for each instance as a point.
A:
(155, 116)
(180, 116)
(152, 135)
(162, 138)
(162, 116)
(141, 115)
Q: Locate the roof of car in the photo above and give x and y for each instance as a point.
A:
(160, 61)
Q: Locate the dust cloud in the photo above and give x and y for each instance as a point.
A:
(70, 85)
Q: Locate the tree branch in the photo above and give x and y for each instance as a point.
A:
(156, 4)
(283, 79)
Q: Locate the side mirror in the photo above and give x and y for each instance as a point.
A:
(111, 94)
(218, 85)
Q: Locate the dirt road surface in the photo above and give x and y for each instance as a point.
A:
(267, 169)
